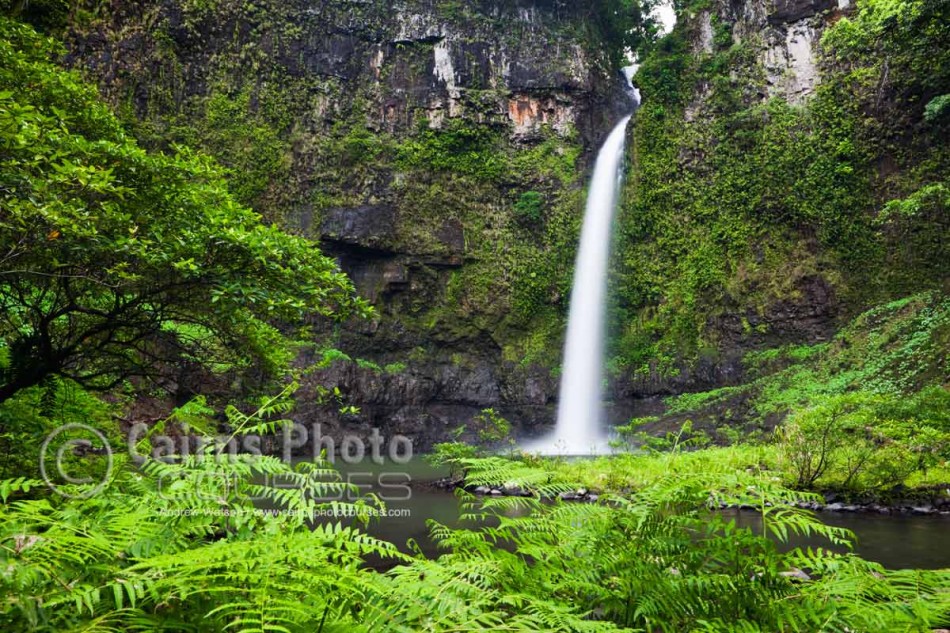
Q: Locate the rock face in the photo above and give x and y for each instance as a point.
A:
(747, 53)
(401, 135)
(791, 11)
(367, 226)
(783, 33)
(426, 401)
(516, 63)
(404, 136)
(790, 63)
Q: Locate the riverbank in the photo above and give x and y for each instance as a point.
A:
(926, 502)
(897, 537)
(922, 494)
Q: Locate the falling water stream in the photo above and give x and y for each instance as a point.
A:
(579, 429)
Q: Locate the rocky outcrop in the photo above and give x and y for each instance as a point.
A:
(790, 62)
(386, 124)
(426, 401)
(396, 61)
(782, 12)
(783, 33)
(367, 226)
(529, 113)
(809, 313)
(400, 135)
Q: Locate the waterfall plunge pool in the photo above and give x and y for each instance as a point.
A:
(895, 541)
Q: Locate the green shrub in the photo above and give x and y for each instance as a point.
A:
(685, 438)
(529, 206)
(462, 148)
(862, 441)
(491, 429)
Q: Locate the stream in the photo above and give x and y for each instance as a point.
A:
(895, 541)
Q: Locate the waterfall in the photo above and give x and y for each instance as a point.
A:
(579, 429)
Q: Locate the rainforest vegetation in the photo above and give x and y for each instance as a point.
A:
(160, 277)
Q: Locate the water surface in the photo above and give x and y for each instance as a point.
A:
(895, 541)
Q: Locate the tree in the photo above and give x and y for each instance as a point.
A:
(117, 263)
(625, 25)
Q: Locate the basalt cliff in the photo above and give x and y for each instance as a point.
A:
(439, 150)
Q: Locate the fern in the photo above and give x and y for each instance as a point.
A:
(186, 546)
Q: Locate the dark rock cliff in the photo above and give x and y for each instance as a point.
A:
(405, 136)
(521, 64)
(439, 151)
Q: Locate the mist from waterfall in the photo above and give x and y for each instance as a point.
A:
(580, 425)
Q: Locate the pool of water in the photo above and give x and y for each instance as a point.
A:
(897, 542)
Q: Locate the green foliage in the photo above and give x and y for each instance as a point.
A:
(453, 454)
(722, 33)
(251, 149)
(896, 351)
(621, 26)
(693, 401)
(395, 368)
(554, 158)
(122, 262)
(529, 206)
(45, 15)
(362, 363)
(215, 542)
(930, 199)
(329, 356)
(624, 471)
(659, 560)
(27, 419)
(182, 545)
(734, 202)
(662, 75)
(490, 428)
(909, 32)
(453, 9)
(937, 108)
(636, 435)
(359, 145)
(490, 432)
(865, 442)
(868, 410)
(512, 283)
(460, 148)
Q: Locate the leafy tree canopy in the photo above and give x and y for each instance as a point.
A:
(115, 262)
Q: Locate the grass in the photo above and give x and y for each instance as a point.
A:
(630, 471)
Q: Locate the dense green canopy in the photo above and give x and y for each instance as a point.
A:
(113, 261)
